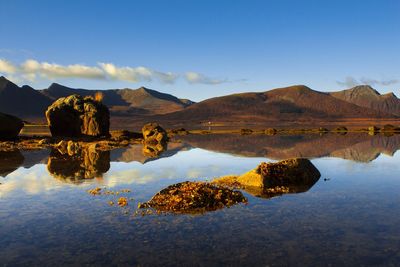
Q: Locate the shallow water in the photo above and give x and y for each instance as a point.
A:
(351, 216)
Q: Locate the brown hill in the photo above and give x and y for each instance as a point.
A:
(23, 102)
(30, 104)
(295, 103)
(366, 96)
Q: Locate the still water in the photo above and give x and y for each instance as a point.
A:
(350, 217)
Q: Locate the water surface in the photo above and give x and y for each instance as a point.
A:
(349, 217)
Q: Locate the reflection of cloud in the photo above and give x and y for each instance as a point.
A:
(33, 181)
(351, 81)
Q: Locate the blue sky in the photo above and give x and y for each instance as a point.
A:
(201, 49)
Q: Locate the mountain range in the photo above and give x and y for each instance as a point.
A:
(290, 104)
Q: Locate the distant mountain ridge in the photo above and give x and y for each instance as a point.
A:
(289, 104)
(366, 96)
(294, 103)
(26, 102)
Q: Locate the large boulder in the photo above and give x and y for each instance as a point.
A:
(77, 116)
(10, 126)
(154, 133)
(285, 173)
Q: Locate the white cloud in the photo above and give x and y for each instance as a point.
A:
(350, 81)
(7, 67)
(31, 69)
(52, 71)
(194, 77)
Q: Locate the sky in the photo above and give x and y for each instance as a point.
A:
(201, 49)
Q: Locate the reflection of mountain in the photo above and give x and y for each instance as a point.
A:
(89, 164)
(10, 161)
(354, 146)
(135, 153)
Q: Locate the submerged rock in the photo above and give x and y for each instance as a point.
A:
(76, 116)
(10, 126)
(193, 198)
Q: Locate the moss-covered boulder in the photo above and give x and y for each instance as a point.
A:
(288, 172)
(10, 126)
(154, 133)
(76, 116)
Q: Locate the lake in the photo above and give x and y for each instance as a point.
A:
(349, 217)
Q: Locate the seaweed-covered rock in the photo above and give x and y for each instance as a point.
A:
(154, 133)
(10, 126)
(193, 197)
(77, 116)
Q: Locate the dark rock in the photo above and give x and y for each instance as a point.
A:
(270, 131)
(77, 116)
(246, 131)
(390, 128)
(10, 126)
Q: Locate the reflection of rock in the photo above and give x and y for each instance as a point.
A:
(271, 179)
(154, 133)
(151, 150)
(273, 191)
(10, 126)
(78, 116)
(135, 153)
(87, 164)
(155, 140)
(10, 161)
